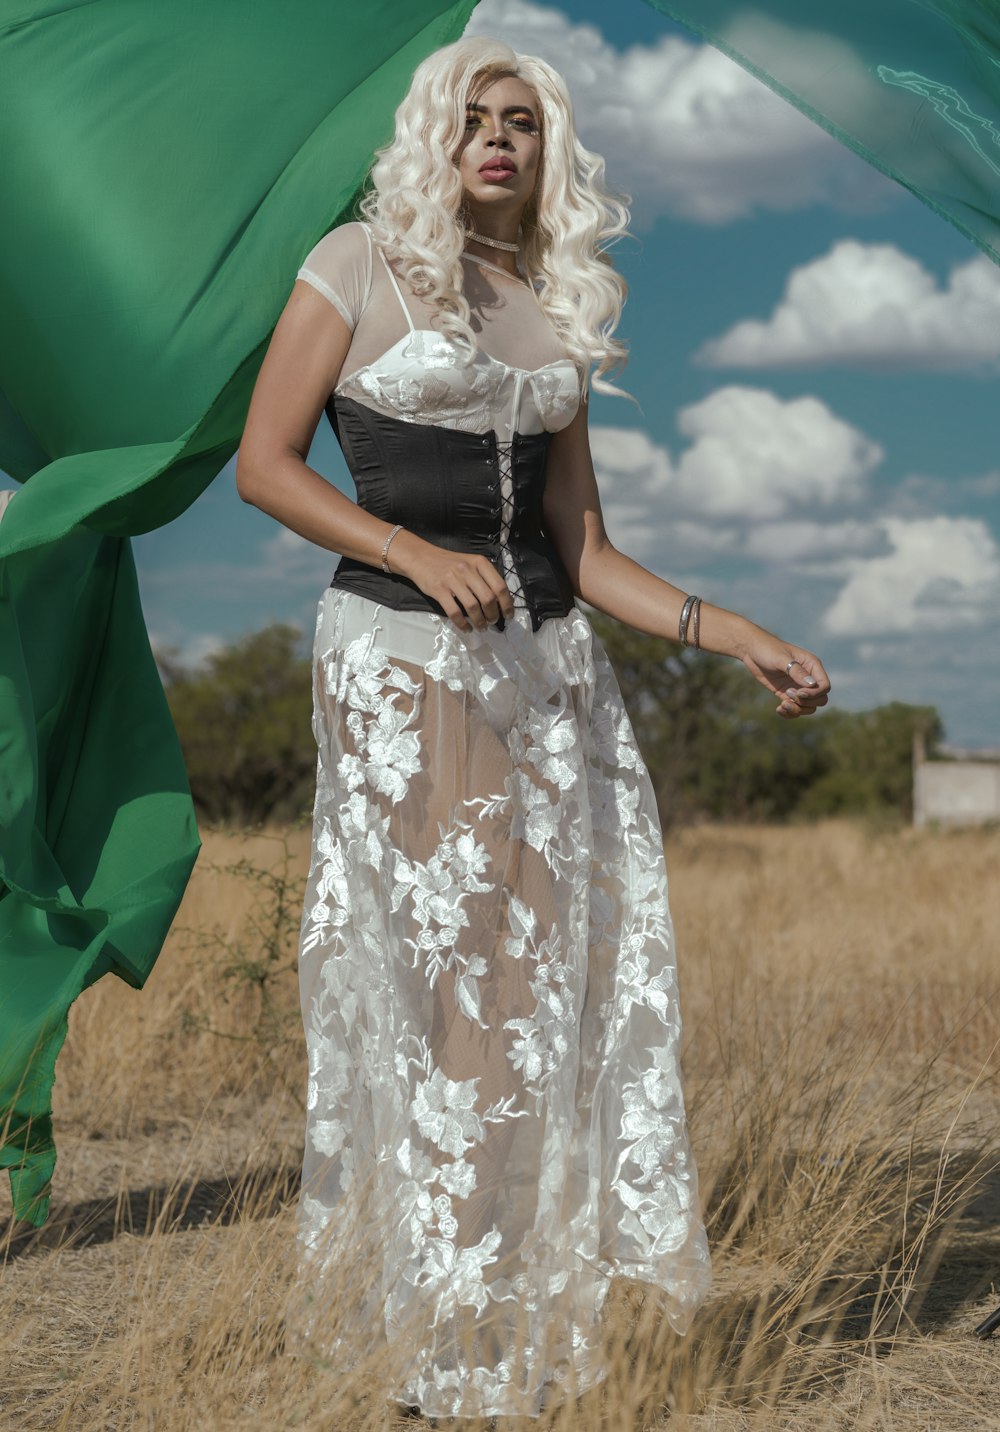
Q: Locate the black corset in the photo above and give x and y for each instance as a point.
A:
(444, 486)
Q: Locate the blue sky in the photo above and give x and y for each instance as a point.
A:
(813, 353)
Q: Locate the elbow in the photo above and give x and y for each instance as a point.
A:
(262, 473)
(588, 574)
(247, 481)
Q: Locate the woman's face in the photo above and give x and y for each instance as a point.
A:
(500, 152)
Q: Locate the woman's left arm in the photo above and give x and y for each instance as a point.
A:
(607, 579)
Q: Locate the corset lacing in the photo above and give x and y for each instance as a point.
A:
(506, 521)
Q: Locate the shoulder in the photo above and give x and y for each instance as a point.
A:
(339, 266)
(346, 243)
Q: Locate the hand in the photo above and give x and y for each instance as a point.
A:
(794, 675)
(467, 585)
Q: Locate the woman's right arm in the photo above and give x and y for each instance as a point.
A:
(300, 370)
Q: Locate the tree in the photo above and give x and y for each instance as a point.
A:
(715, 749)
(244, 721)
(870, 759)
(707, 731)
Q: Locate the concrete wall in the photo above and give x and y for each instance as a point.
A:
(956, 792)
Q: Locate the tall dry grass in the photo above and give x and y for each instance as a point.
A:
(839, 987)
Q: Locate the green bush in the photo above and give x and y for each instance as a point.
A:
(708, 733)
(716, 751)
(244, 720)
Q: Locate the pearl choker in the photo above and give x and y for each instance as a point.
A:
(492, 243)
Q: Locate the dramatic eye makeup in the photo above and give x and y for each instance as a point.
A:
(518, 117)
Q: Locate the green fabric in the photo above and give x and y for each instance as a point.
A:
(913, 86)
(167, 165)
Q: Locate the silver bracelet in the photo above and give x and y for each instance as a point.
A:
(385, 550)
(682, 625)
(696, 625)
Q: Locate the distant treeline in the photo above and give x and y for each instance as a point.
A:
(708, 733)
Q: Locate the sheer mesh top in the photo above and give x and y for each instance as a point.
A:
(398, 363)
(520, 381)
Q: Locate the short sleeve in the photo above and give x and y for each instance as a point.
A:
(340, 268)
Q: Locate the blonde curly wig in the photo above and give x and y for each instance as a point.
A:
(414, 201)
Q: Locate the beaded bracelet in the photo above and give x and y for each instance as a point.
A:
(385, 550)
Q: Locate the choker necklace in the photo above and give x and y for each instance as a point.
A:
(492, 243)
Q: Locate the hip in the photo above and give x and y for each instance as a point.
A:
(345, 619)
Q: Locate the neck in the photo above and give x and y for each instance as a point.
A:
(493, 225)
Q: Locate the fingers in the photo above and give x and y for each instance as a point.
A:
(799, 701)
(793, 705)
(456, 614)
(491, 593)
(807, 671)
(805, 700)
(476, 594)
(808, 686)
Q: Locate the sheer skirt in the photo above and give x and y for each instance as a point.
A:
(495, 1122)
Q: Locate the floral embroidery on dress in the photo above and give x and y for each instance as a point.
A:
(491, 1011)
(495, 1124)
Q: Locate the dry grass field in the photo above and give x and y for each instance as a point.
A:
(840, 990)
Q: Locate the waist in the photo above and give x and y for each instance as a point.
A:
(439, 479)
(543, 579)
(465, 491)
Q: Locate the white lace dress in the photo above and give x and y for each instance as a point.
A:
(495, 1121)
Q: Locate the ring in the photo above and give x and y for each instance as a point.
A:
(794, 662)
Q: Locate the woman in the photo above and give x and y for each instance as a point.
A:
(487, 971)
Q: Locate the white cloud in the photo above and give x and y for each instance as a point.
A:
(942, 572)
(871, 304)
(758, 456)
(280, 563)
(922, 496)
(288, 558)
(752, 456)
(809, 541)
(754, 462)
(682, 127)
(631, 453)
(635, 476)
(177, 646)
(751, 485)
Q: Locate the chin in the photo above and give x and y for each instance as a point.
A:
(495, 194)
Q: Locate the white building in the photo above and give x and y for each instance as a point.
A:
(962, 789)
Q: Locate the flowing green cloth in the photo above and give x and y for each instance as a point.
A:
(913, 86)
(167, 165)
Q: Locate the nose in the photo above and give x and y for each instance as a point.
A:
(498, 135)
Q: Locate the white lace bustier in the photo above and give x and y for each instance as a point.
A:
(424, 378)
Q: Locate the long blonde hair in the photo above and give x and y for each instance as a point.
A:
(414, 200)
